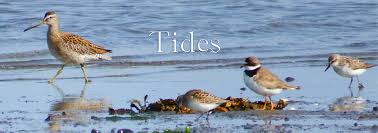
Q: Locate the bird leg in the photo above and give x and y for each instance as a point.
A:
(265, 101)
(56, 75)
(360, 86)
(199, 117)
(350, 87)
(83, 91)
(59, 89)
(85, 74)
(271, 103)
(207, 116)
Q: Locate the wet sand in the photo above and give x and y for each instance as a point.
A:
(29, 101)
(292, 38)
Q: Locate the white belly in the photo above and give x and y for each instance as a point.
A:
(261, 90)
(201, 107)
(347, 72)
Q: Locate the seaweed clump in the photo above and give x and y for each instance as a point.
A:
(169, 105)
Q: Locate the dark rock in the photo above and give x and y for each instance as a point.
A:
(375, 108)
(286, 119)
(289, 79)
(95, 131)
(113, 130)
(285, 125)
(243, 89)
(95, 118)
(355, 124)
(125, 131)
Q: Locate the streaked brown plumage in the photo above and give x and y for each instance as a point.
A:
(199, 101)
(81, 45)
(350, 62)
(203, 97)
(70, 48)
(349, 67)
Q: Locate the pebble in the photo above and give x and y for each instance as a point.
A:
(375, 108)
(124, 131)
(95, 131)
(289, 79)
(285, 125)
(374, 127)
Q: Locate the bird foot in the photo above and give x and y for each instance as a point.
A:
(88, 81)
(50, 81)
(360, 86)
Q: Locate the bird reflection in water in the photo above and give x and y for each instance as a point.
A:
(73, 110)
(348, 104)
(266, 117)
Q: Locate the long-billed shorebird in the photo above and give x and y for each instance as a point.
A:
(348, 67)
(200, 101)
(69, 48)
(262, 81)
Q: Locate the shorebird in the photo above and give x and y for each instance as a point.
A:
(263, 82)
(348, 67)
(69, 48)
(200, 101)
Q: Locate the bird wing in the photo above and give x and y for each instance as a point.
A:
(269, 80)
(356, 63)
(81, 45)
(205, 97)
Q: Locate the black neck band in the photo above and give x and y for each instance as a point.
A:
(251, 73)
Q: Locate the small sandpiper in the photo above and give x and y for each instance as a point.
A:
(348, 67)
(200, 101)
(262, 81)
(69, 48)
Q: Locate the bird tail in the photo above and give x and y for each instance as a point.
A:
(108, 50)
(104, 57)
(223, 101)
(292, 88)
(370, 65)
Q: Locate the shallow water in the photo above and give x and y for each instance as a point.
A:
(292, 38)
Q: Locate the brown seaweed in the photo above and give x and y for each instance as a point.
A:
(166, 105)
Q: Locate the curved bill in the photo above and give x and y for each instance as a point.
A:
(328, 67)
(31, 27)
